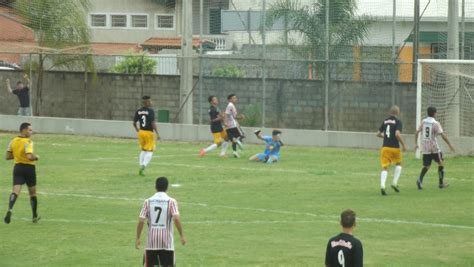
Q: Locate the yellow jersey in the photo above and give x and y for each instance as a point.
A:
(20, 146)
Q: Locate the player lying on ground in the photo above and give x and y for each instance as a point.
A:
(272, 147)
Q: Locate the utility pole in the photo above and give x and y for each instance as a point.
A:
(186, 78)
(453, 53)
(416, 39)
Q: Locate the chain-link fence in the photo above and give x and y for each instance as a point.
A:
(309, 64)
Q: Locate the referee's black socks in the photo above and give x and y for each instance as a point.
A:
(12, 200)
(34, 206)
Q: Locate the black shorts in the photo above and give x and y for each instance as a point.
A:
(24, 173)
(427, 158)
(233, 133)
(158, 258)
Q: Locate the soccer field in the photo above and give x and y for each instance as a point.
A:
(234, 212)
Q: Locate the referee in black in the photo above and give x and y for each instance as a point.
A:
(344, 249)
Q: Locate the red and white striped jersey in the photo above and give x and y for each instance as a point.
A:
(231, 116)
(430, 129)
(159, 211)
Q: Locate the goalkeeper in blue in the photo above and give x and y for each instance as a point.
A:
(272, 147)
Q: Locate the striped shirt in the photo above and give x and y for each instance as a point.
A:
(231, 116)
(159, 211)
(430, 129)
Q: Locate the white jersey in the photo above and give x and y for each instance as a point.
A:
(231, 116)
(159, 211)
(430, 129)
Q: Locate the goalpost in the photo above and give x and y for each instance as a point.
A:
(448, 85)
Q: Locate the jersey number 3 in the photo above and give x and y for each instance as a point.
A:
(143, 120)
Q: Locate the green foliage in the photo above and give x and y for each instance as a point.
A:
(229, 71)
(345, 28)
(57, 23)
(135, 64)
(253, 116)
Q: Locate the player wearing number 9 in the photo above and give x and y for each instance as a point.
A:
(430, 129)
(159, 211)
(344, 250)
(144, 124)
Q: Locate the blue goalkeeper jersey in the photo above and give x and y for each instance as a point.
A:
(272, 148)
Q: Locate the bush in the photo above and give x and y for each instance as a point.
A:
(132, 64)
(253, 116)
(229, 71)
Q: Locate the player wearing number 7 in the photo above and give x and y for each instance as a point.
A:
(160, 211)
(144, 123)
(344, 250)
(390, 131)
(430, 129)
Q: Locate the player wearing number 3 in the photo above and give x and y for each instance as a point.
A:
(430, 129)
(390, 131)
(160, 211)
(344, 250)
(144, 123)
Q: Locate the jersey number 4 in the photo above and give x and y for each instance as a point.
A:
(387, 131)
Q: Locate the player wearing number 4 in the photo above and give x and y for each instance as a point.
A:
(344, 249)
(144, 123)
(159, 211)
(431, 129)
(390, 131)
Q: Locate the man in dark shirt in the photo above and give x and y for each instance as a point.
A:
(344, 249)
(390, 131)
(144, 123)
(218, 132)
(23, 93)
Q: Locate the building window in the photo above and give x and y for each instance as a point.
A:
(165, 21)
(119, 21)
(139, 21)
(98, 20)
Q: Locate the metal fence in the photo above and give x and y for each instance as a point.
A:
(312, 64)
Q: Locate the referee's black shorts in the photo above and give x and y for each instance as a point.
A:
(158, 258)
(24, 173)
(233, 133)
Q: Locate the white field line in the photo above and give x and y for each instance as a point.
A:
(187, 222)
(333, 218)
(263, 169)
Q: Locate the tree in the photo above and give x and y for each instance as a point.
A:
(59, 26)
(345, 28)
(135, 64)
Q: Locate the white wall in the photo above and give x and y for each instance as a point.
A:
(201, 133)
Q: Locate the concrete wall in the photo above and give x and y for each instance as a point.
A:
(184, 132)
(297, 104)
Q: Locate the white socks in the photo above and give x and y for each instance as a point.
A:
(210, 148)
(383, 178)
(396, 175)
(141, 158)
(225, 144)
(145, 158)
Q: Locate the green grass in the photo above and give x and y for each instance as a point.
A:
(234, 212)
